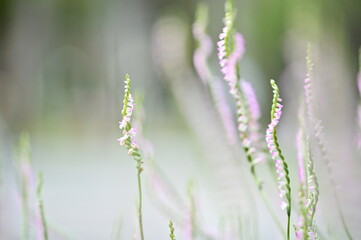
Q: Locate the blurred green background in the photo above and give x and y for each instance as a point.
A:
(62, 65)
(64, 59)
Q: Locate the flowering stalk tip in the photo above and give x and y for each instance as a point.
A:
(127, 140)
(171, 228)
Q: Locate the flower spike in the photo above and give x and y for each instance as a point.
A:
(231, 47)
(276, 154)
(128, 131)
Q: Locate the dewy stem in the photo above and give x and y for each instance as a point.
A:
(140, 218)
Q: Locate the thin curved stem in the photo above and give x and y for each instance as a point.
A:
(288, 195)
(263, 195)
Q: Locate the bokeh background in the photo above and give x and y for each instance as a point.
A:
(62, 66)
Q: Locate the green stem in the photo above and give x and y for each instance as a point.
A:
(288, 223)
(288, 194)
(140, 218)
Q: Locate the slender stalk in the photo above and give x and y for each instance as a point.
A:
(288, 225)
(41, 207)
(192, 211)
(140, 218)
(288, 195)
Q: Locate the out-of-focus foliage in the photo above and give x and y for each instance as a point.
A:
(66, 56)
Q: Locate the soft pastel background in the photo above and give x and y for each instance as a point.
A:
(62, 65)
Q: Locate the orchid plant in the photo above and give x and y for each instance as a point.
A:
(127, 141)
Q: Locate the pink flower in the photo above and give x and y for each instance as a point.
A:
(123, 139)
(272, 146)
(224, 111)
(284, 205)
(228, 63)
